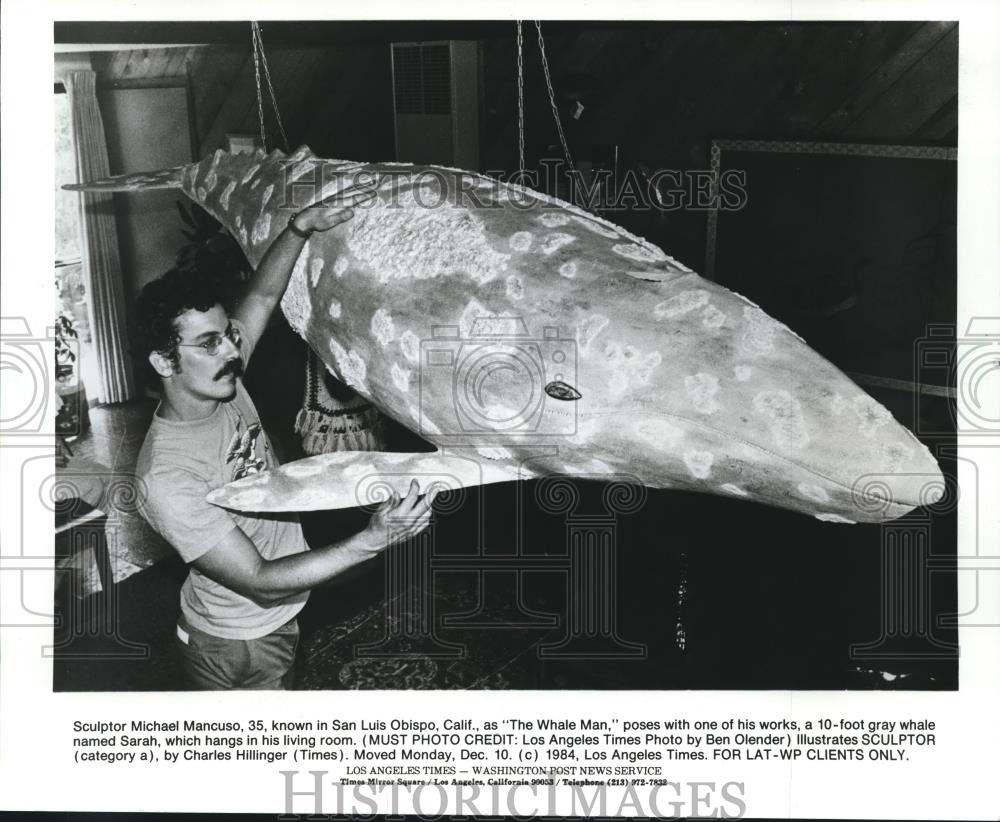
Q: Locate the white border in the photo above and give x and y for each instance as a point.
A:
(956, 781)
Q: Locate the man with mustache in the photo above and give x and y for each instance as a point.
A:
(249, 575)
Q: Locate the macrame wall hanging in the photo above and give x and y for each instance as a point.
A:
(334, 418)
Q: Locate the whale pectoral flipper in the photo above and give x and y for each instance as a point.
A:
(348, 479)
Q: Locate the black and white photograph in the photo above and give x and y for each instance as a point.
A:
(656, 316)
(500, 411)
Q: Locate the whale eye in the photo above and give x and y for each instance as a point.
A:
(561, 391)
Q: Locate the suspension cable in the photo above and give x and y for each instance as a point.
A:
(552, 98)
(259, 47)
(256, 73)
(520, 97)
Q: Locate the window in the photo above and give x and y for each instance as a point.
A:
(67, 202)
(75, 364)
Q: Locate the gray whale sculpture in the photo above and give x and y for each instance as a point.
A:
(526, 337)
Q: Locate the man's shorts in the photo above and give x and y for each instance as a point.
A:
(211, 663)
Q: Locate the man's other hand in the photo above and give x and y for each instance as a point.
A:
(396, 520)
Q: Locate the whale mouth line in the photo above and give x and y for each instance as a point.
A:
(727, 435)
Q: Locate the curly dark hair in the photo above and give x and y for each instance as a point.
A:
(152, 325)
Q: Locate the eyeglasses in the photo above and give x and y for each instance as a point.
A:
(212, 344)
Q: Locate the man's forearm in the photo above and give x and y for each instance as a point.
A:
(268, 283)
(271, 278)
(280, 578)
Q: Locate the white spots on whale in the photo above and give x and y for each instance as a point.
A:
(334, 310)
(568, 269)
(474, 310)
(249, 498)
(600, 466)
(784, 412)
(702, 388)
(515, 287)
(350, 365)
(410, 241)
(644, 368)
(586, 429)
(296, 302)
(639, 253)
(211, 180)
(628, 365)
(475, 316)
(711, 317)
(394, 459)
(227, 192)
(201, 193)
(699, 463)
(510, 418)
(357, 469)
(553, 219)
(340, 265)
(255, 183)
(813, 492)
(658, 432)
(553, 242)
(597, 228)
(301, 169)
(410, 345)
(239, 221)
(589, 329)
(893, 455)
(250, 172)
(494, 452)
(758, 333)
(400, 377)
(835, 518)
(742, 372)
(383, 327)
(266, 196)
(872, 416)
(521, 240)
(262, 228)
(302, 469)
(735, 490)
(680, 304)
(315, 269)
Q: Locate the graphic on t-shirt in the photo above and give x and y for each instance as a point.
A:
(243, 449)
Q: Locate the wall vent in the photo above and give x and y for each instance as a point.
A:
(422, 78)
(436, 102)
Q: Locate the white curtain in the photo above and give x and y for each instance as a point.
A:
(101, 265)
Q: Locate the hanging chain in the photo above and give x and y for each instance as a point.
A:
(552, 98)
(256, 73)
(258, 41)
(520, 96)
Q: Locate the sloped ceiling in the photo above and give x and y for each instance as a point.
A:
(659, 86)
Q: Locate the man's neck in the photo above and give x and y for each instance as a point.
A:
(185, 408)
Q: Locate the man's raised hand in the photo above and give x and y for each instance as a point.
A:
(333, 210)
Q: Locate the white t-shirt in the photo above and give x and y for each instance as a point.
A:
(179, 463)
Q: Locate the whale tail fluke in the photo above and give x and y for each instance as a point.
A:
(143, 181)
